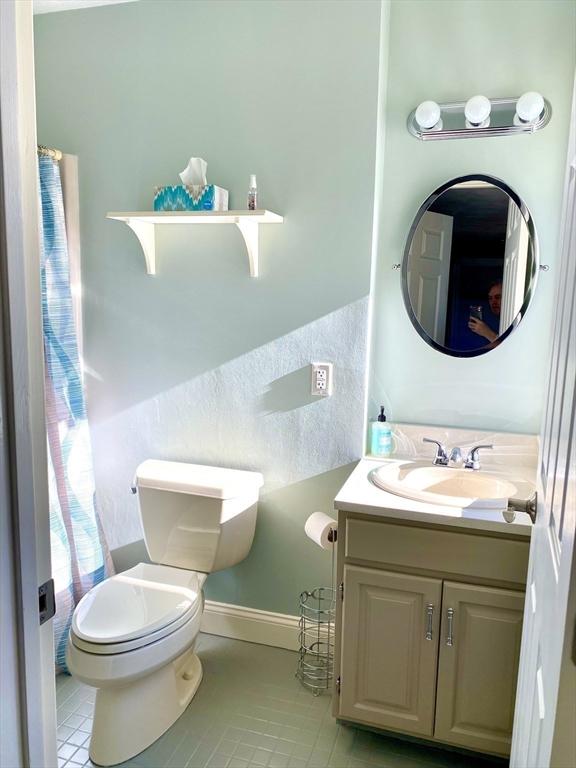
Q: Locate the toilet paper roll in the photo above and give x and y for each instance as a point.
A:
(321, 529)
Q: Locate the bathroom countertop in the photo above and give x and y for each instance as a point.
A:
(359, 494)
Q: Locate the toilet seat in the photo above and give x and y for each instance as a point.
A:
(112, 670)
(136, 608)
(131, 645)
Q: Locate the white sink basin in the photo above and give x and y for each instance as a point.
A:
(464, 488)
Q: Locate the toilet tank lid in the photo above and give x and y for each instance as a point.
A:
(217, 482)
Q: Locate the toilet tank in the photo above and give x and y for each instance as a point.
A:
(197, 517)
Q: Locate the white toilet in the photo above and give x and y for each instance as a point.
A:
(133, 635)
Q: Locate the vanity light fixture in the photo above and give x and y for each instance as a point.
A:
(477, 112)
(428, 116)
(529, 108)
(479, 117)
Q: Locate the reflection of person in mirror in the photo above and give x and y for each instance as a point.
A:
(494, 302)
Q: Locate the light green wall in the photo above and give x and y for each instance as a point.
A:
(449, 51)
(201, 363)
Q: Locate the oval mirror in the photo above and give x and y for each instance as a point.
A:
(470, 265)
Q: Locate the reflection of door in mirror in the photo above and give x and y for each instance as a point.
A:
(429, 272)
(515, 267)
(469, 265)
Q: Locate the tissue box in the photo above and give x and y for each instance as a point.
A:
(191, 198)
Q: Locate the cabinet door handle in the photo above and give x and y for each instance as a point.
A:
(429, 619)
(450, 637)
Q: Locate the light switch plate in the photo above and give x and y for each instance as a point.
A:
(322, 379)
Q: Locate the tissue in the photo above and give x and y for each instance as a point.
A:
(194, 194)
(195, 172)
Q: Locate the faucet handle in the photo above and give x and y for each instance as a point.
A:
(472, 461)
(441, 457)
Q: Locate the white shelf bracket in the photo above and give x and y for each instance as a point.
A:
(145, 232)
(143, 224)
(249, 231)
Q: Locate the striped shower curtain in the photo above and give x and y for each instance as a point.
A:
(80, 557)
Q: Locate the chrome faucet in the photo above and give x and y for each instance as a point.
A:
(442, 458)
(472, 461)
(456, 456)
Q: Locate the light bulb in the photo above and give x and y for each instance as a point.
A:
(427, 115)
(477, 112)
(529, 107)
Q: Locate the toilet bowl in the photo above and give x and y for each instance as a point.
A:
(133, 635)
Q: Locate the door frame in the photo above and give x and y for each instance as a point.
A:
(24, 439)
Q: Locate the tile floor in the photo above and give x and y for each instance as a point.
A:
(251, 712)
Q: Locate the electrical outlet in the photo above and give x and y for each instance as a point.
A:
(322, 379)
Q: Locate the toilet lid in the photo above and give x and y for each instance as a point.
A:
(125, 608)
(197, 479)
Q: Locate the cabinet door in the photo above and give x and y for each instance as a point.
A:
(390, 626)
(479, 652)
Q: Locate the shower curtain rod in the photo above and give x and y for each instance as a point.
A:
(55, 154)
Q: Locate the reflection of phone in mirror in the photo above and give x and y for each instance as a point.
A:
(476, 311)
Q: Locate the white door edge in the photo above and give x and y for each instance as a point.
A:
(544, 716)
(23, 349)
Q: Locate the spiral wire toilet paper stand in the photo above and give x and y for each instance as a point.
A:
(316, 633)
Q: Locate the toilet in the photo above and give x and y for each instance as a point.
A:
(133, 635)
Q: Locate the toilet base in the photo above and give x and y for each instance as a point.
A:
(130, 718)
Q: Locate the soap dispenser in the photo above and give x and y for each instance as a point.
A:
(381, 436)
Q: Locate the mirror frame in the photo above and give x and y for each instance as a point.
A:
(529, 221)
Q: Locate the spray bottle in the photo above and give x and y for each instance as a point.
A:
(252, 193)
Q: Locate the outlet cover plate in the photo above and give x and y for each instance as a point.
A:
(321, 379)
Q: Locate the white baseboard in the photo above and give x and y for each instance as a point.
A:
(251, 624)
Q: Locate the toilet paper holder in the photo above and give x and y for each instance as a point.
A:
(316, 624)
(316, 639)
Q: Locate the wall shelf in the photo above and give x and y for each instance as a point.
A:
(143, 224)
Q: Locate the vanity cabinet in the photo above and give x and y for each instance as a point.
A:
(428, 630)
(478, 666)
(388, 665)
